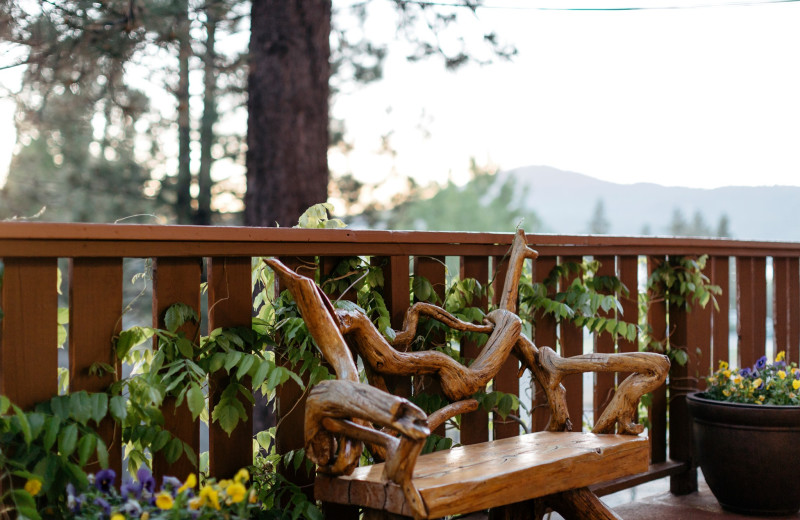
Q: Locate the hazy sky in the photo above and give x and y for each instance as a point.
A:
(700, 96)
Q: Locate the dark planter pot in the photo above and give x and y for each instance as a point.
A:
(749, 454)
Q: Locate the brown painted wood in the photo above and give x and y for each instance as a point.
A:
(786, 303)
(433, 268)
(683, 381)
(505, 471)
(475, 425)
(604, 343)
(572, 345)
(545, 335)
(290, 401)
(507, 379)
(177, 280)
(581, 504)
(95, 318)
(751, 298)
(396, 273)
(720, 320)
(229, 305)
(657, 320)
(28, 355)
(628, 267)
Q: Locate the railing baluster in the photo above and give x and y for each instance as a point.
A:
(657, 320)
(786, 305)
(751, 298)
(177, 280)
(506, 380)
(475, 426)
(572, 345)
(545, 335)
(95, 317)
(434, 270)
(720, 275)
(604, 343)
(397, 298)
(28, 355)
(229, 305)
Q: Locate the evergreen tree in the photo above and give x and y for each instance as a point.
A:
(599, 224)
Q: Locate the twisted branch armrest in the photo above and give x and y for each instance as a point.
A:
(340, 411)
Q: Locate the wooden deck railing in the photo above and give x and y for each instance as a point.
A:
(30, 251)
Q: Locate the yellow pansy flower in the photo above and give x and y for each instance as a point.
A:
(210, 496)
(796, 384)
(164, 501)
(242, 475)
(723, 365)
(757, 382)
(195, 503)
(236, 492)
(145, 516)
(726, 373)
(253, 496)
(117, 516)
(726, 393)
(781, 374)
(33, 486)
(761, 398)
(191, 482)
(781, 356)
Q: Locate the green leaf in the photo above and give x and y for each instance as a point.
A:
(217, 362)
(5, 404)
(195, 400)
(178, 314)
(119, 408)
(261, 373)
(86, 446)
(190, 454)
(102, 452)
(680, 356)
(80, 407)
(53, 426)
(131, 338)
(36, 422)
(173, 450)
(99, 406)
(24, 426)
(67, 440)
(244, 366)
(185, 347)
(60, 406)
(161, 440)
(232, 359)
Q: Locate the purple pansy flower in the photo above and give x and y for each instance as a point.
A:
(146, 480)
(104, 480)
(171, 484)
(761, 363)
(104, 504)
(131, 489)
(745, 372)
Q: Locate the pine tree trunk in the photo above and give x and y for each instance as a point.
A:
(202, 216)
(183, 207)
(287, 168)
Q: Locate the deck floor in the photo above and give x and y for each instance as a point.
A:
(643, 504)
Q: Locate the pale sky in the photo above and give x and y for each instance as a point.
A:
(703, 97)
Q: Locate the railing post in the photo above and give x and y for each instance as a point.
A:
(177, 280)
(475, 425)
(229, 305)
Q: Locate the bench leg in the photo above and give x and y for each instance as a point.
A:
(581, 504)
(527, 510)
(377, 514)
(339, 511)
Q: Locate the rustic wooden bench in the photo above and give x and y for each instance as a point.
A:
(523, 476)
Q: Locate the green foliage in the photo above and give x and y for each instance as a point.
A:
(680, 283)
(575, 292)
(316, 217)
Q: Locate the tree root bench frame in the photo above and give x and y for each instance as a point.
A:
(518, 477)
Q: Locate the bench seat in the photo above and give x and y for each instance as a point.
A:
(495, 473)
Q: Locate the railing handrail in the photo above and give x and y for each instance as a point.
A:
(47, 240)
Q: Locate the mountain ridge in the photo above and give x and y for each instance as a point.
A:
(566, 202)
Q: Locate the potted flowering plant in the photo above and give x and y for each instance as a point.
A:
(746, 433)
(174, 500)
